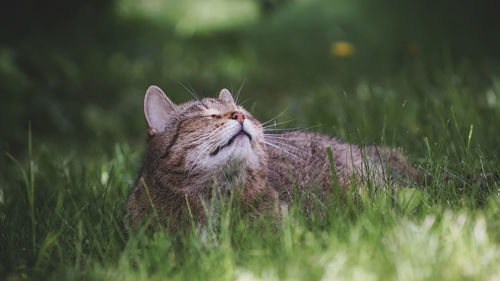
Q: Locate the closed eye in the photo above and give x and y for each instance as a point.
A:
(212, 114)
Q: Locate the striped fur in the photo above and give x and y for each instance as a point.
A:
(195, 147)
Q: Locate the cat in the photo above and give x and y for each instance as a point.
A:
(200, 145)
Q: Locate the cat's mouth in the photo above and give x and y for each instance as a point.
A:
(230, 142)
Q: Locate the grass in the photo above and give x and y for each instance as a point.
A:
(61, 209)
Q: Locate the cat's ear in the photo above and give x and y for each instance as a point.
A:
(157, 107)
(226, 96)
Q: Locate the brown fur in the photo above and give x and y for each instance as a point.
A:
(174, 186)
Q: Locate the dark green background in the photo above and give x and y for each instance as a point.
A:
(77, 70)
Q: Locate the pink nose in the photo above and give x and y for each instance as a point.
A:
(238, 116)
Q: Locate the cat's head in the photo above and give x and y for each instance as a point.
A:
(202, 136)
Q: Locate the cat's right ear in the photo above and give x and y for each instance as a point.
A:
(226, 96)
(157, 107)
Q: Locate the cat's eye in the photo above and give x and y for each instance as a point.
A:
(215, 116)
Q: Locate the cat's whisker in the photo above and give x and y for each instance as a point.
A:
(245, 100)
(204, 151)
(277, 116)
(194, 163)
(194, 92)
(205, 137)
(283, 141)
(276, 124)
(276, 136)
(210, 147)
(292, 147)
(239, 91)
(289, 146)
(279, 138)
(279, 148)
(292, 130)
(191, 91)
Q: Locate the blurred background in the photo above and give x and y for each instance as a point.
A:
(76, 71)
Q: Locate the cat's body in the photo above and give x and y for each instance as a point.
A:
(300, 159)
(214, 143)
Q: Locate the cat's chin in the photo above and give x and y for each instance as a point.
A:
(237, 137)
(239, 150)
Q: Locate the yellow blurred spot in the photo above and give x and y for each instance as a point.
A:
(342, 49)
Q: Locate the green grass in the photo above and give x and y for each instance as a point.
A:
(61, 208)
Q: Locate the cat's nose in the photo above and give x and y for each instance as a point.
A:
(238, 116)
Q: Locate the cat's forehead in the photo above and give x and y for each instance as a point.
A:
(218, 105)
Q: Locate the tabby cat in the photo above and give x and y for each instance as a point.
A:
(200, 145)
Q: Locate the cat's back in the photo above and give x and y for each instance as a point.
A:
(299, 161)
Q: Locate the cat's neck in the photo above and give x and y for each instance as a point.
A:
(236, 175)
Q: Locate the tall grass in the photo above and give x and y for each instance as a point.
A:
(61, 211)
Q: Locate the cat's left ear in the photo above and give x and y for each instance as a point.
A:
(226, 96)
(157, 108)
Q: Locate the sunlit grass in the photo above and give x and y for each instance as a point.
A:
(195, 16)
